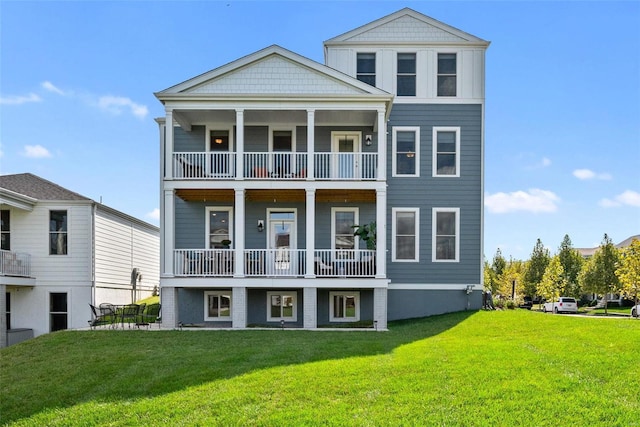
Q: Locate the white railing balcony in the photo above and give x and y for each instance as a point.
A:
(276, 166)
(209, 165)
(344, 263)
(15, 264)
(275, 263)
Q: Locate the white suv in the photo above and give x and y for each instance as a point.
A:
(635, 311)
(563, 305)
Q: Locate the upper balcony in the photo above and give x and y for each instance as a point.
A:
(15, 264)
(352, 166)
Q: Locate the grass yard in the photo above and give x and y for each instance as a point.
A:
(510, 367)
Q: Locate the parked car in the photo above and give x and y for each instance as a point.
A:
(527, 303)
(563, 305)
(635, 311)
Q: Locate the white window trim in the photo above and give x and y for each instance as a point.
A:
(458, 68)
(378, 65)
(285, 128)
(395, 73)
(68, 232)
(394, 212)
(434, 230)
(208, 210)
(356, 218)
(294, 318)
(206, 306)
(222, 127)
(396, 129)
(434, 143)
(332, 317)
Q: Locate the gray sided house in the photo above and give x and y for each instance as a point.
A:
(60, 252)
(270, 162)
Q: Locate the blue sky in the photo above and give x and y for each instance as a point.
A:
(562, 138)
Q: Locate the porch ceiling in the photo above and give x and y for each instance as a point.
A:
(277, 196)
(299, 117)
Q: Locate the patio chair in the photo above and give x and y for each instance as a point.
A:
(108, 313)
(98, 318)
(129, 314)
(148, 316)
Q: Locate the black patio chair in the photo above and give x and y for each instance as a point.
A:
(151, 314)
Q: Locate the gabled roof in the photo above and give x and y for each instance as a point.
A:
(34, 187)
(407, 26)
(272, 71)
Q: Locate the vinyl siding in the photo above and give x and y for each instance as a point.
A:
(426, 192)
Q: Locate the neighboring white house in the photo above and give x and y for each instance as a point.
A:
(61, 251)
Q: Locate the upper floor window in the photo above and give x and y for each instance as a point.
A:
(5, 230)
(406, 151)
(219, 140)
(219, 227)
(446, 234)
(406, 74)
(57, 232)
(342, 222)
(366, 68)
(447, 74)
(446, 151)
(404, 231)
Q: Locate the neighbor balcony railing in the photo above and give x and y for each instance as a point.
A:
(15, 264)
(276, 165)
(275, 262)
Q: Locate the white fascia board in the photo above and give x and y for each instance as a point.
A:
(17, 200)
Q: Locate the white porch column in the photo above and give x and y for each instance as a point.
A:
(311, 144)
(310, 208)
(380, 308)
(310, 308)
(169, 301)
(239, 308)
(168, 232)
(168, 145)
(381, 233)
(239, 144)
(382, 146)
(239, 229)
(3, 316)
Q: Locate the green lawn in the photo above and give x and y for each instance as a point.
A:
(472, 368)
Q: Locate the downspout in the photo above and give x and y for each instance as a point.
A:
(93, 252)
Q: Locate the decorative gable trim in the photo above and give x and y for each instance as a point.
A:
(406, 26)
(273, 70)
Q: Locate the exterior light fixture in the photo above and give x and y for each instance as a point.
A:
(260, 225)
(367, 140)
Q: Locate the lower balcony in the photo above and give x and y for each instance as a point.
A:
(15, 264)
(275, 263)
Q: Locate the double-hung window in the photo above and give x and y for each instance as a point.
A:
(404, 230)
(345, 306)
(446, 234)
(446, 151)
(5, 230)
(366, 67)
(342, 222)
(58, 232)
(217, 305)
(219, 227)
(447, 69)
(406, 77)
(281, 306)
(406, 151)
(58, 311)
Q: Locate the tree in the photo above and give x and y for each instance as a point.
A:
(499, 263)
(628, 270)
(514, 271)
(490, 282)
(599, 273)
(554, 282)
(535, 268)
(571, 262)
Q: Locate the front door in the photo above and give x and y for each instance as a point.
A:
(347, 147)
(282, 242)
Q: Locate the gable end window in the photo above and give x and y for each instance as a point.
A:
(366, 68)
(446, 151)
(406, 79)
(58, 233)
(447, 81)
(446, 234)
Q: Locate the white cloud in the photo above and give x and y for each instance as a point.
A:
(36, 151)
(51, 88)
(627, 198)
(19, 99)
(586, 174)
(154, 214)
(533, 200)
(116, 104)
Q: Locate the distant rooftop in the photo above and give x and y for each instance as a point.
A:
(35, 187)
(587, 252)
